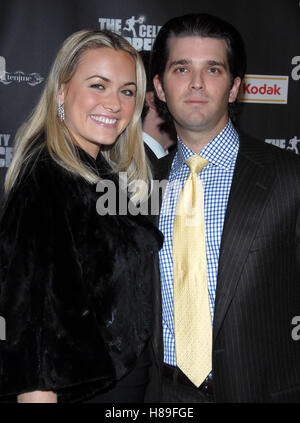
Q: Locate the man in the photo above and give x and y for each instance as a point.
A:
(158, 135)
(251, 198)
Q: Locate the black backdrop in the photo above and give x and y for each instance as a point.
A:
(31, 32)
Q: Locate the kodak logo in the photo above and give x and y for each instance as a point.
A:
(264, 89)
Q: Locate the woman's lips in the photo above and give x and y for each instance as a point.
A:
(104, 120)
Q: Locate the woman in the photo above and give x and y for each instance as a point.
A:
(75, 281)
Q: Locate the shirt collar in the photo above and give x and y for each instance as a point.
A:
(220, 151)
(154, 145)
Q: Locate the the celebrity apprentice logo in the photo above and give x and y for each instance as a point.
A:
(139, 34)
(292, 144)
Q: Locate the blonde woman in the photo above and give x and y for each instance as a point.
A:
(76, 280)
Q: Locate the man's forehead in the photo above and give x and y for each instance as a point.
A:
(189, 47)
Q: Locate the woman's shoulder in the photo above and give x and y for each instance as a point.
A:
(45, 192)
(43, 185)
(42, 174)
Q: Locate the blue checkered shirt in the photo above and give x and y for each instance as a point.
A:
(216, 178)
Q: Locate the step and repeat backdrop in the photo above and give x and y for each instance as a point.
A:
(31, 32)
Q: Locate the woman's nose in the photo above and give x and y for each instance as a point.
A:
(112, 102)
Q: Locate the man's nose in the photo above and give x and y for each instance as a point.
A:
(197, 81)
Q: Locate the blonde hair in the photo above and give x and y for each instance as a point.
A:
(126, 154)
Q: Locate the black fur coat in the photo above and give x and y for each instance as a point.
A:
(75, 287)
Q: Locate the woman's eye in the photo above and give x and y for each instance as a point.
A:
(98, 86)
(128, 93)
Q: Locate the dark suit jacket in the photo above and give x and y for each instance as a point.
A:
(255, 358)
(150, 155)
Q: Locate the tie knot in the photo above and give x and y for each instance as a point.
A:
(196, 163)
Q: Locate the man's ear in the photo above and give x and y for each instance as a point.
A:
(159, 89)
(149, 99)
(234, 89)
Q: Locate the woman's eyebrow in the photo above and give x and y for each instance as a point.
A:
(108, 80)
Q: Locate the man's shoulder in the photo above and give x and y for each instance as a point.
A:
(258, 148)
(282, 164)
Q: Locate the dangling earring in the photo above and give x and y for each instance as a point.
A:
(60, 110)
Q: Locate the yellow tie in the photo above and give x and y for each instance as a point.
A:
(192, 319)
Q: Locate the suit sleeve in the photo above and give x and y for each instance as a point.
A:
(52, 341)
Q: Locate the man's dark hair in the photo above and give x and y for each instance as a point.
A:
(198, 25)
(167, 125)
(145, 55)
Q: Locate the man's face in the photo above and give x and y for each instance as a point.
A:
(197, 86)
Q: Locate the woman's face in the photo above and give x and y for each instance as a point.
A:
(99, 100)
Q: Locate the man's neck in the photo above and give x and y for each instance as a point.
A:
(154, 132)
(196, 141)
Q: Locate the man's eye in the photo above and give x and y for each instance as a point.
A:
(181, 70)
(214, 70)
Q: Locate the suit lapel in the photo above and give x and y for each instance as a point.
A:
(161, 172)
(251, 187)
(163, 166)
